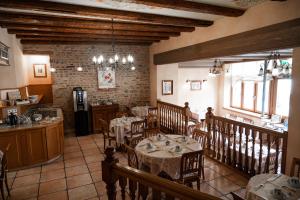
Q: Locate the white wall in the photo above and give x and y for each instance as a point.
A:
(14, 75)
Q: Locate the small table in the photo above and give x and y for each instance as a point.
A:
(121, 126)
(260, 187)
(140, 111)
(164, 157)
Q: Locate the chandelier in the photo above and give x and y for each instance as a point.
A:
(216, 69)
(113, 62)
(279, 68)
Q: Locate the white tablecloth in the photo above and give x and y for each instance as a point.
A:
(164, 157)
(260, 187)
(140, 111)
(121, 126)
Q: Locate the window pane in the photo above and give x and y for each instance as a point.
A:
(236, 94)
(260, 94)
(249, 95)
(283, 97)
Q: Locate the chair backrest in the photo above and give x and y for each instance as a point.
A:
(121, 114)
(191, 163)
(152, 111)
(132, 157)
(104, 127)
(135, 140)
(137, 127)
(200, 136)
(295, 169)
(150, 132)
(152, 121)
(4, 162)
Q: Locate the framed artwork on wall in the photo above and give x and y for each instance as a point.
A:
(106, 78)
(39, 70)
(196, 85)
(167, 87)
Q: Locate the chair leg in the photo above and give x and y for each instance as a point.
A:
(202, 170)
(198, 184)
(2, 190)
(6, 184)
(109, 142)
(104, 140)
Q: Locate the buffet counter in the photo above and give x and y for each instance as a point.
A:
(34, 143)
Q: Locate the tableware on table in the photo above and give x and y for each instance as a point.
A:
(149, 146)
(278, 194)
(177, 148)
(159, 137)
(183, 139)
(273, 178)
(294, 182)
(167, 143)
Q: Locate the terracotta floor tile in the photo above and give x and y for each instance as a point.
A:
(221, 169)
(101, 188)
(71, 149)
(89, 152)
(76, 154)
(74, 162)
(83, 192)
(210, 174)
(25, 172)
(88, 146)
(79, 180)
(26, 180)
(238, 179)
(52, 186)
(204, 187)
(11, 174)
(52, 175)
(61, 195)
(94, 158)
(94, 166)
(53, 166)
(70, 141)
(24, 192)
(96, 176)
(76, 170)
(223, 185)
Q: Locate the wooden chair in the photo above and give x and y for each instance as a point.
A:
(134, 141)
(3, 173)
(152, 121)
(137, 128)
(190, 168)
(201, 137)
(150, 132)
(236, 197)
(152, 111)
(107, 134)
(295, 167)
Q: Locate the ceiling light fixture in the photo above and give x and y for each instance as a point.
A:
(113, 62)
(216, 69)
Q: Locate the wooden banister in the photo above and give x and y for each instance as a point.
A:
(231, 142)
(112, 170)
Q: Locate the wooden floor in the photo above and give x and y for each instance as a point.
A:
(78, 175)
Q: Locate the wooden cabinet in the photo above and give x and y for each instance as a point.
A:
(106, 112)
(33, 145)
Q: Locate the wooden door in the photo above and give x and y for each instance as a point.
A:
(53, 141)
(36, 141)
(13, 155)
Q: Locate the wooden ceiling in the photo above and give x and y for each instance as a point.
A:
(45, 22)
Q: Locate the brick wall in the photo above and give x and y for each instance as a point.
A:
(132, 86)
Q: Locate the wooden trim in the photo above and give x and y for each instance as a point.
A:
(79, 10)
(88, 42)
(192, 7)
(277, 36)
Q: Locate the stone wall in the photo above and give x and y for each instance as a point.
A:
(131, 86)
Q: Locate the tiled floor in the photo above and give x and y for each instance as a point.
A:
(78, 175)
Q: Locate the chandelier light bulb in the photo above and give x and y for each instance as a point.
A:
(130, 58)
(80, 69)
(52, 69)
(100, 59)
(111, 60)
(94, 59)
(123, 60)
(106, 68)
(116, 58)
(132, 68)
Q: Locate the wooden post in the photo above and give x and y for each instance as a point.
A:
(187, 115)
(284, 152)
(107, 173)
(208, 119)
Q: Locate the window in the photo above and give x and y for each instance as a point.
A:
(236, 94)
(248, 95)
(283, 96)
(259, 96)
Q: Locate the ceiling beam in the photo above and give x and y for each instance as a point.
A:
(48, 42)
(277, 36)
(13, 28)
(192, 7)
(80, 10)
(84, 38)
(62, 21)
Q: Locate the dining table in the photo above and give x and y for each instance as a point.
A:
(164, 152)
(122, 126)
(140, 111)
(272, 186)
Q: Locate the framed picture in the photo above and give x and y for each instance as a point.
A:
(40, 70)
(196, 85)
(167, 87)
(106, 78)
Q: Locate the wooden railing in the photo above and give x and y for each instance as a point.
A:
(231, 142)
(113, 172)
(172, 118)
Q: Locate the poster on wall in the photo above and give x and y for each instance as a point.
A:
(39, 70)
(196, 85)
(167, 87)
(106, 78)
